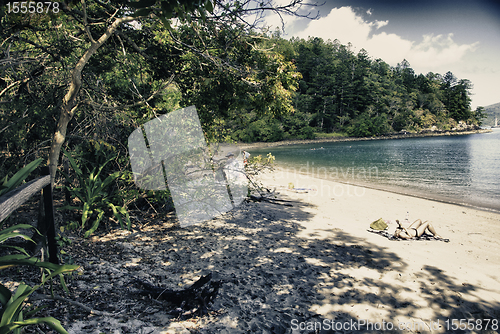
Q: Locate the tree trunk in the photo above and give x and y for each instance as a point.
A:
(69, 104)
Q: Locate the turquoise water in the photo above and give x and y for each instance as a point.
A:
(457, 169)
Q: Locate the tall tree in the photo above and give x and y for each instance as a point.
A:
(86, 26)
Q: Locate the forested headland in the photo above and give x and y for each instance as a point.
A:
(343, 93)
(247, 85)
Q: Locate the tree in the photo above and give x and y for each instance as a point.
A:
(456, 96)
(83, 28)
(479, 114)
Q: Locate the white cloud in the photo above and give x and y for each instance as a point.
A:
(347, 26)
(380, 24)
(433, 53)
(440, 50)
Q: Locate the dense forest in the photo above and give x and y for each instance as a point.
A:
(351, 94)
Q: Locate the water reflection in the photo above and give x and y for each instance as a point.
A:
(462, 169)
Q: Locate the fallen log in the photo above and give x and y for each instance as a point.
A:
(191, 300)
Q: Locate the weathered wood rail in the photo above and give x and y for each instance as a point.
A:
(17, 197)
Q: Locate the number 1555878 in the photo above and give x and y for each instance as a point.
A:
(32, 7)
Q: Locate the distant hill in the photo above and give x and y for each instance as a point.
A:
(492, 111)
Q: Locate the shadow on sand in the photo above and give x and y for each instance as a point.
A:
(275, 280)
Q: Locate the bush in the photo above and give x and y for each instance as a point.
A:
(96, 195)
(267, 129)
(367, 126)
(297, 126)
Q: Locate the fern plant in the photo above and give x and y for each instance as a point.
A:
(96, 196)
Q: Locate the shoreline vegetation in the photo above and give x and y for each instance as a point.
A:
(319, 140)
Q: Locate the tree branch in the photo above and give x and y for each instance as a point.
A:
(144, 101)
(38, 296)
(85, 22)
(12, 85)
(69, 101)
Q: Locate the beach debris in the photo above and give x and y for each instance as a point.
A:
(270, 200)
(190, 301)
(390, 236)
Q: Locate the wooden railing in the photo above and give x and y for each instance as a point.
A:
(17, 197)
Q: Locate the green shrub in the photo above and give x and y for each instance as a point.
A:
(96, 195)
(14, 313)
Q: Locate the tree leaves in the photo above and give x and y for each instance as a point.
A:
(353, 93)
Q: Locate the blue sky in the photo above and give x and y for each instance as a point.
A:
(434, 36)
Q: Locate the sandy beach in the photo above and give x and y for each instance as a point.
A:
(309, 266)
(400, 282)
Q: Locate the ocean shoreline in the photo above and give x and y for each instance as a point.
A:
(247, 146)
(420, 279)
(394, 190)
(417, 191)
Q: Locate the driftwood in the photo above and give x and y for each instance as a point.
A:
(17, 197)
(270, 200)
(194, 299)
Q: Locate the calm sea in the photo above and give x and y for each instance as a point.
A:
(458, 169)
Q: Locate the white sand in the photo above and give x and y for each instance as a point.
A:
(305, 268)
(417, 281)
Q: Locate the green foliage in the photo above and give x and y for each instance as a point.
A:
(96, 195)
(296, 126)
(62, 242)
(478, 115)
(12, 183)
(216, 63)
(347, 92)
(14, 313)
(255, 128)
(266, 129)
(166, 10)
